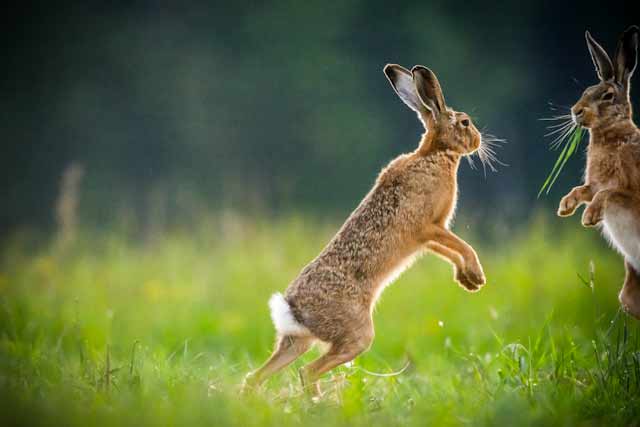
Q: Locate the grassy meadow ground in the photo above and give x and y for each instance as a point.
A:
(106, 331)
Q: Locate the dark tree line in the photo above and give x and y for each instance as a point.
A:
(276, 105)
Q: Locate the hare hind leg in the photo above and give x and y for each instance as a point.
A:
(340, 352)
(621, 214)
(630, 294)
(288, 349)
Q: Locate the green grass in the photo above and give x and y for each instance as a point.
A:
(570, 143)
(111, 332)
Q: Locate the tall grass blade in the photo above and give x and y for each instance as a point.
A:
(570, 147)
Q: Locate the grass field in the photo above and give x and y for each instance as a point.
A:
(111, 332)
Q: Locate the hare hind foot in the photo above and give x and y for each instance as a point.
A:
(288, 349)
(339, 352)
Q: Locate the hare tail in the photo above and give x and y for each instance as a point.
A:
(283, 319)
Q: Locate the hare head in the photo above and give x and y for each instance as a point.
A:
(608, 101)
(446, 129)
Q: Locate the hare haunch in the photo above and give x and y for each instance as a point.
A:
(407, 211)
(612, 179)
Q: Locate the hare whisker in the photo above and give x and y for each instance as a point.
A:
(555, 118)
(554, 106)
(560, 139)
(560, 129)
(557, 142)
(578, 83)
(486, 162)
(487, 154)
(492, 140)
(558, 125)
(472, 164)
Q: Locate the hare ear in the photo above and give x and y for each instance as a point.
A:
(600, 59)
(429, 89)
(627, 55)
(402, 83)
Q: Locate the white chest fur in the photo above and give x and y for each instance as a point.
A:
(394, 274)
(623, 231)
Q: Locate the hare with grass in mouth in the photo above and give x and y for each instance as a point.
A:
(407, 211)
(612, 180)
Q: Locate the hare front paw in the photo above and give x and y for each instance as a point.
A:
(593, 214)
(472, 278)
(568, 205)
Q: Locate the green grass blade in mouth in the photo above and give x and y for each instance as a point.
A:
(547, 182)
(570, 147)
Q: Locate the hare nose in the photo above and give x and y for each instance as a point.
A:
(577, 113)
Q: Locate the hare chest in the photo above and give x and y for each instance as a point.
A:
(603, 168)
(451, 212)
(622, 229)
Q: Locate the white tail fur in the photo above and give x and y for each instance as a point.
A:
(282, 317)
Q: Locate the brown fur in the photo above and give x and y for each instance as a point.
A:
(406, 212)
(612, 179)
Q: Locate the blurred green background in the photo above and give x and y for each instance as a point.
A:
(277, 106)
(166, 166)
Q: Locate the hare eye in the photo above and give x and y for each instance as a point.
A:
(607, 96)
(465, 122)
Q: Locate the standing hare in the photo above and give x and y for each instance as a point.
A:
(407, 211)
(612, 179)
